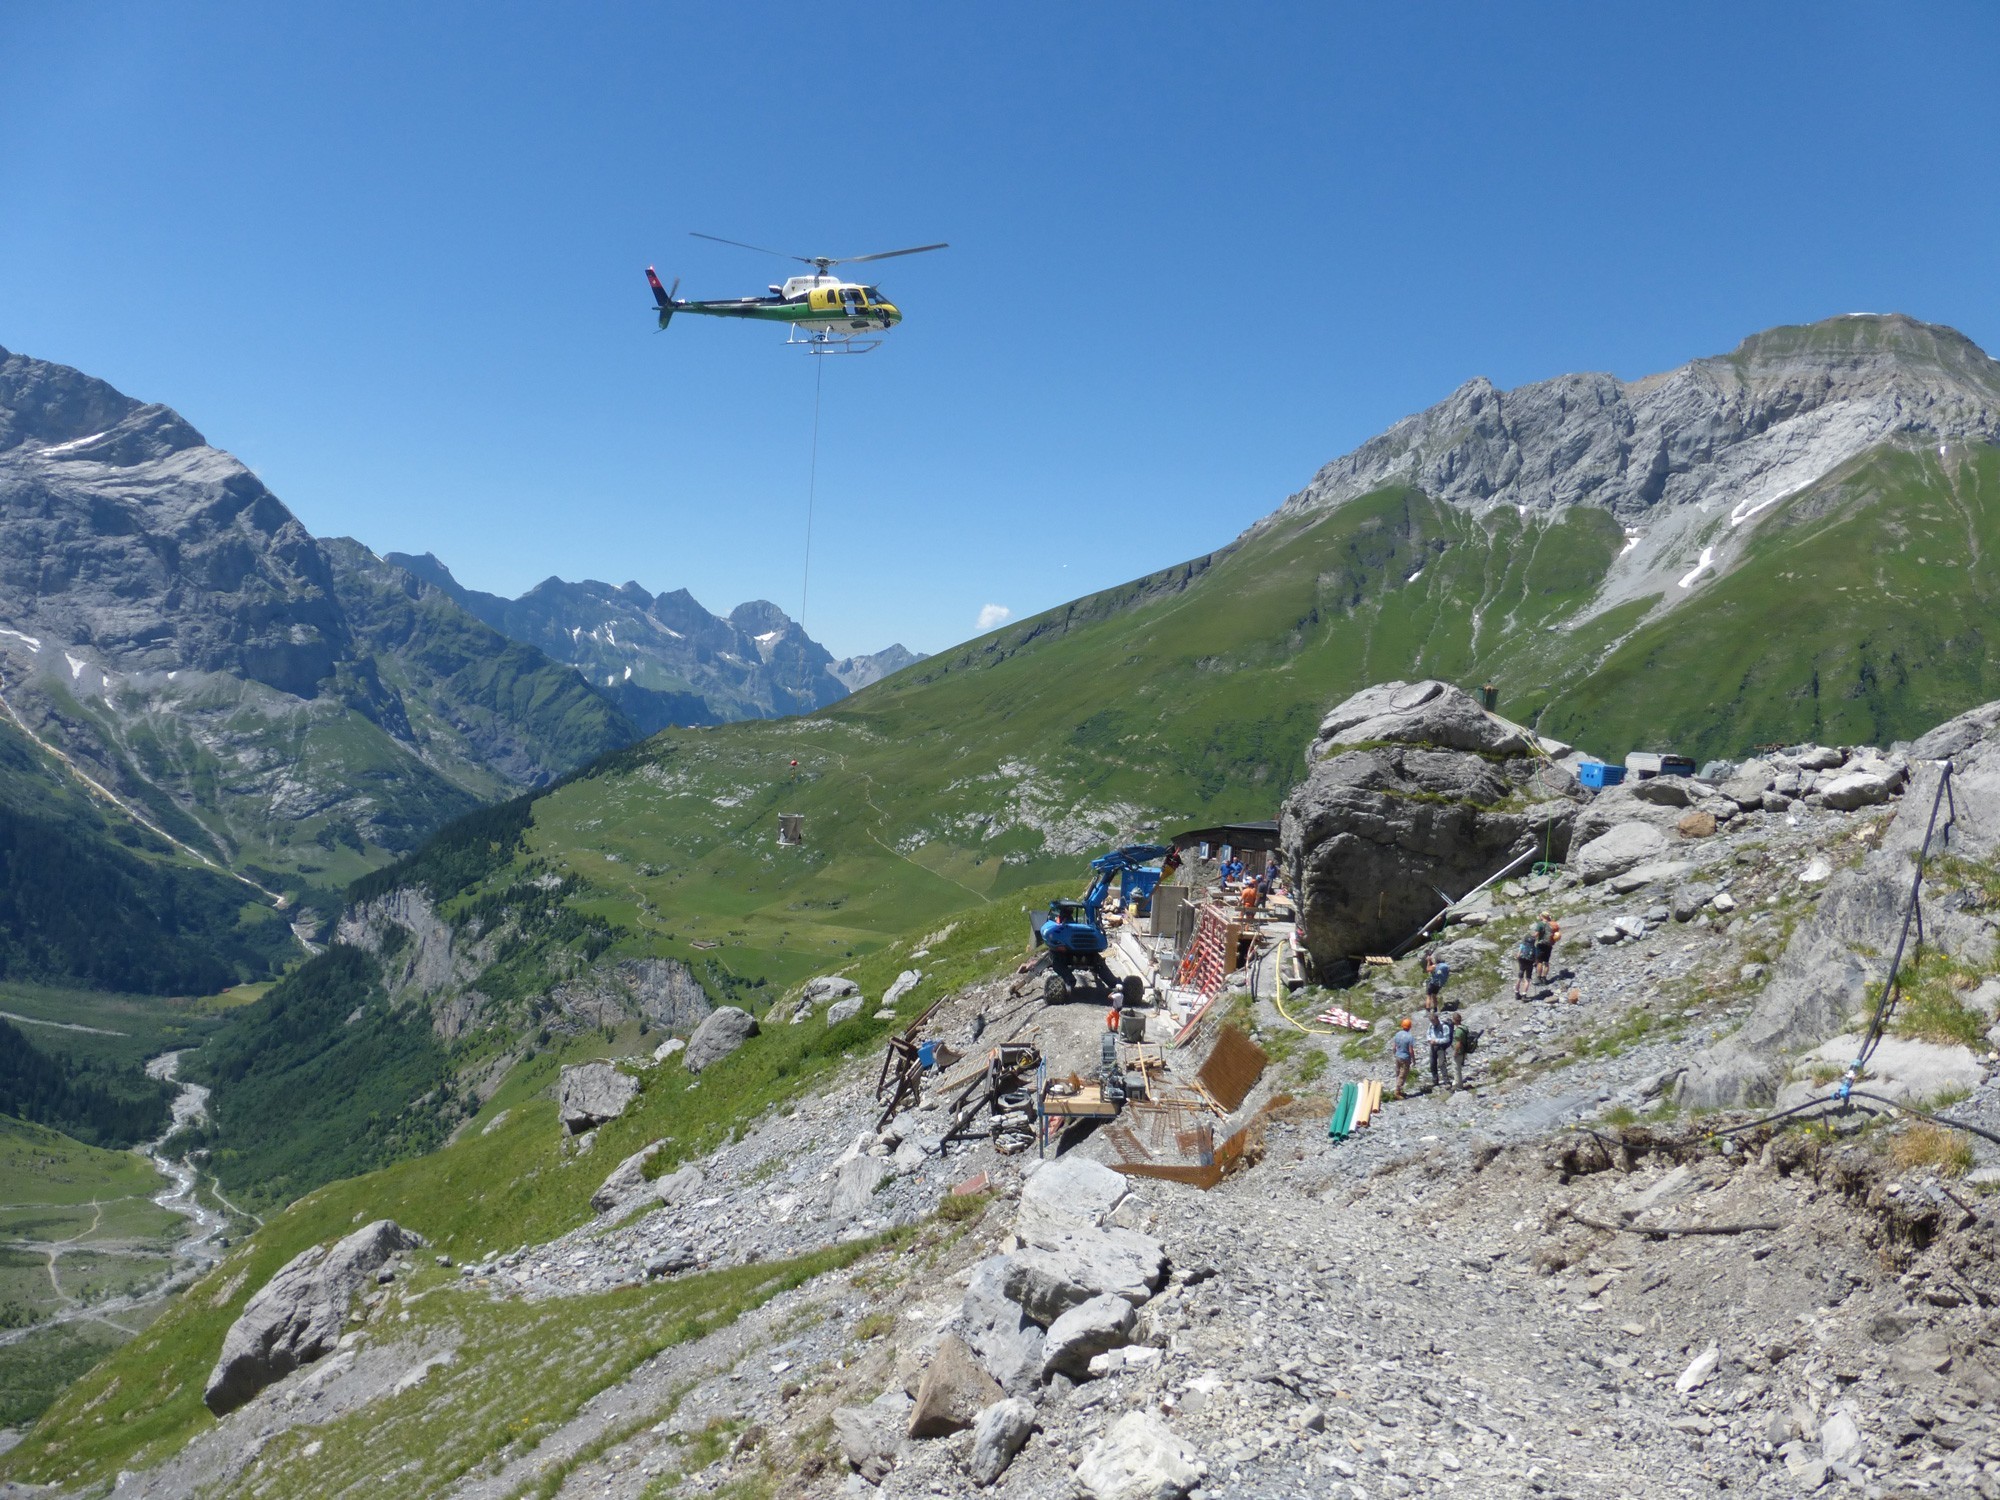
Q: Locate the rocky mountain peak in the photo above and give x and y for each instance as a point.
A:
(1864, 341)
(170, 624)
(1740, 430)
(760, 617)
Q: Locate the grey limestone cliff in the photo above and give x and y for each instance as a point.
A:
(267, 697)
(1687, 459)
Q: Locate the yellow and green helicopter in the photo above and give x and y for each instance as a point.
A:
(826, 314)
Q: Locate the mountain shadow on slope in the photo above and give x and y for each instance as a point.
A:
(92, 899)
(322, 1079)
(97, 1103)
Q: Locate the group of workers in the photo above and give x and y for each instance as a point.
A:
(1532, 954)
(1445, 1032)
(1253, 890)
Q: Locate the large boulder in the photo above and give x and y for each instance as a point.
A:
(296, 1316)
(627, 1180)
(954, 1391)
(1070, 1193)
(1422, 713)
(1856, 789)
(1623, 848)
(1822, 979)
(1412, 788)
(829, 987)
(999, 1331)
(588, 1094)
(1141, 1458)
(1085, 1331)
(721, 1034)
(1059, 1270)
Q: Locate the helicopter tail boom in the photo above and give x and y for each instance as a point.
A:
(664, 296)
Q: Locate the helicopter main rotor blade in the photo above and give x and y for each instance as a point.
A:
(855, 260)
(802, 259)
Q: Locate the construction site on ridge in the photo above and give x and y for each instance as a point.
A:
(1156, 1209)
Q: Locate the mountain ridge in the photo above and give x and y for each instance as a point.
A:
(664, 658)
(280, 701)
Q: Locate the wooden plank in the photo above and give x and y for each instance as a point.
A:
(1088, 1102)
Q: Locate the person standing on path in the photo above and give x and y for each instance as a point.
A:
(1458, 1040)
(1524, 965)
(1548, 932)
(1439, 1037)
(1436, 972)
(1405, 1053)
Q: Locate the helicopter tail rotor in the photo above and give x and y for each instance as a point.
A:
(664, 296)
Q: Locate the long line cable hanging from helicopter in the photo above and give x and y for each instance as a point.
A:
(812, 491)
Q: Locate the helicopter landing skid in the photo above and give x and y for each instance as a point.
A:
(826, 343)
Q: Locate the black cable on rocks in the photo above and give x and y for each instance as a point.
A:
(1911, 916)
(1924, 1114)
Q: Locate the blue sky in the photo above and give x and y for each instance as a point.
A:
(392, 255)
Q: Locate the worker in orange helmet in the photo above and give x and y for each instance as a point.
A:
(1405, 1053)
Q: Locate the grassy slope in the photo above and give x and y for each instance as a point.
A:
(924, 795)
(1185, 697)
(1190, 696)
(1862, 614)
(1858, 614)
(503, 1183)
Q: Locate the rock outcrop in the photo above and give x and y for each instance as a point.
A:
(1822, 979)
(663, 991)
(296, 1316)
(1413, 789)
(1729, 435)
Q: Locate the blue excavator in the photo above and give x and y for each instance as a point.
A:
(1073, 931)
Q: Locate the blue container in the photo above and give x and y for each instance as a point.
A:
(1596, 775)
(927, 1055)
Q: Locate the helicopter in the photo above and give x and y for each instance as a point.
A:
(826, 314)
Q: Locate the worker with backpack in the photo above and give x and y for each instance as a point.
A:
(1463, 1040)
(1548, 932)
